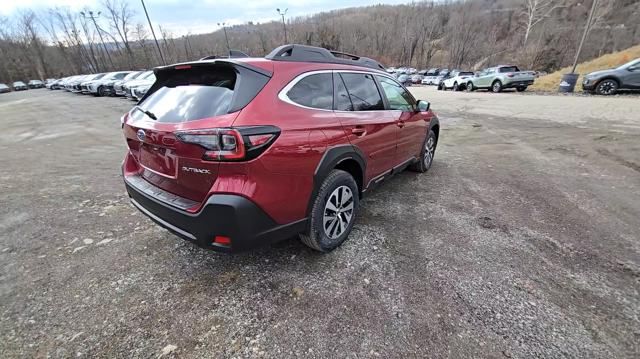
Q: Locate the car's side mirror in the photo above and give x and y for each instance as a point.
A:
(423, 106)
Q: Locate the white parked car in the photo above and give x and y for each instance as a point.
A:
(456, 81)
(430, 77)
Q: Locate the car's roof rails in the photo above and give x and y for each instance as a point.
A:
(233, 54)
(304, 53)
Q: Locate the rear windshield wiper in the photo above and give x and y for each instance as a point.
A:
(146, 112)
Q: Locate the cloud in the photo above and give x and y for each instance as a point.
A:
(182, 17)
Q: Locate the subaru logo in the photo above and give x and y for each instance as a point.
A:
(141, 135)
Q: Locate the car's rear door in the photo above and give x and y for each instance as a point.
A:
(412, 124)
(359, 106)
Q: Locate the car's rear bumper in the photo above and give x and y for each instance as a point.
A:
(232, 216)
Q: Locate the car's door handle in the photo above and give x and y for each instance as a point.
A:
(400, 124)
(358, 131)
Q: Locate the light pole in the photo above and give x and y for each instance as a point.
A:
(225, 36)
(89, 14)
(153, 33)
(587, 27)
(284, 25)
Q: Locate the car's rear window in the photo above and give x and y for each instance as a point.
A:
(509, 69)
(189, 95)
(464, 73)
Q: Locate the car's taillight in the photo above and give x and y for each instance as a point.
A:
(231, 144)
(510, 74)
(123, 119)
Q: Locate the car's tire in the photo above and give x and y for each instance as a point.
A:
(521, 88)
(607, 87)
(470, 87)
(456, 87)
(333, 213)
(441, 87)
(100, 92)
(496, 86)
(426, 155)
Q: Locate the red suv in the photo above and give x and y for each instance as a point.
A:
(235, 153)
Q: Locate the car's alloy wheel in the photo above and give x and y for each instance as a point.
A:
(429, 147)
(333, 212)
(607, 87)
(456, 87)
(338, 212)
(470, 87)
(496, 87)
(426, 156)
(100, 91)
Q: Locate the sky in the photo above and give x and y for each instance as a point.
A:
(200, 16)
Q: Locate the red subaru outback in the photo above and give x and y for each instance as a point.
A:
(235, 153)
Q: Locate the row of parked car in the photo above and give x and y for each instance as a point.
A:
(131, 84)
(495, 78)
(21, 86)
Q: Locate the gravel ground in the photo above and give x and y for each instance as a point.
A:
(522, 241)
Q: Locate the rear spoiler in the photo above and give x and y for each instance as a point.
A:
(249, 79)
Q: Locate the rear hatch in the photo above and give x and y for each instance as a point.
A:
(200, 98)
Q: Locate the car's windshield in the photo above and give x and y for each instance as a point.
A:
(630, 63)
(133, 75)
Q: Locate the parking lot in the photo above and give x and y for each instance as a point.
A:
(522, 241)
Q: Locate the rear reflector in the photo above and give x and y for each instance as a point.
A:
(182, 67)
(222, 240)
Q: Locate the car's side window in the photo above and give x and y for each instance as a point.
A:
(341, 101)
(315, 91)
(397, 96)
(363, 91)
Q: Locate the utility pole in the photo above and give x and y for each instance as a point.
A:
(153, 33)
(587, 27)
(284, 24)
(90, 15)
(225, 36)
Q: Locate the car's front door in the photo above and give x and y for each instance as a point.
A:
(632, 78)
(412, 124)
(368, 126)
(485, 78)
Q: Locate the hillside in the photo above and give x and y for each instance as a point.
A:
(551, 81)
(453, 33)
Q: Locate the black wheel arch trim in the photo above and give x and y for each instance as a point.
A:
(332, 157)
(434, 122)
(609, 77)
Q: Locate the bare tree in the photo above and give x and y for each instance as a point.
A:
(120, 17)
(536, 11)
